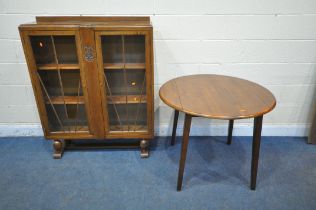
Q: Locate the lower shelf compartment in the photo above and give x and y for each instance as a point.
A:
(70, 129)
(61, 145)
(102, 144)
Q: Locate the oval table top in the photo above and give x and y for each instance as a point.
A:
(217, 96)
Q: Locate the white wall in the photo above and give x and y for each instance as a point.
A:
(272, 42)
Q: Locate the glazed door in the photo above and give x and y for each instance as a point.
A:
(55, 67)
(126, 75)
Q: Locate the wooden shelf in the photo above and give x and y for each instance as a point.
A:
(128, 128)
(66, 100)
(131, 99)
(127, 65)
(71, 129)
(61, 66)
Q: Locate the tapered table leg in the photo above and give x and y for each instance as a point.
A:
(174, 129)
(255, 150)
(230, 132)
(184, 148)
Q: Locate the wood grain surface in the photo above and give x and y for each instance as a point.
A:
(217, 96)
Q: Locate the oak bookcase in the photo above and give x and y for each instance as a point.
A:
(92, 79)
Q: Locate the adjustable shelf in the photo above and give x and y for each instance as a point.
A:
(114, 66)
(130, 99)
(66, 100)
(60, 66)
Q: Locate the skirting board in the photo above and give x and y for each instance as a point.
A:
(15, 130)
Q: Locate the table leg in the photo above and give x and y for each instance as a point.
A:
(255, 150)
(175, 123)
(184, 148)
(230, 132)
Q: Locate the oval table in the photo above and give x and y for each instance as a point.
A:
(217, 97)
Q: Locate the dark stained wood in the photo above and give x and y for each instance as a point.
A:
(219, 97)
(230, 131)
(174, 129)
(184, 148)
(312, 132)
(255, 150)
(150, 78)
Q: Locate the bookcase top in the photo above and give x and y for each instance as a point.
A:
(93, 21)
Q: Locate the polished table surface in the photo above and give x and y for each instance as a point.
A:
(216, 96)
(219, 97)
